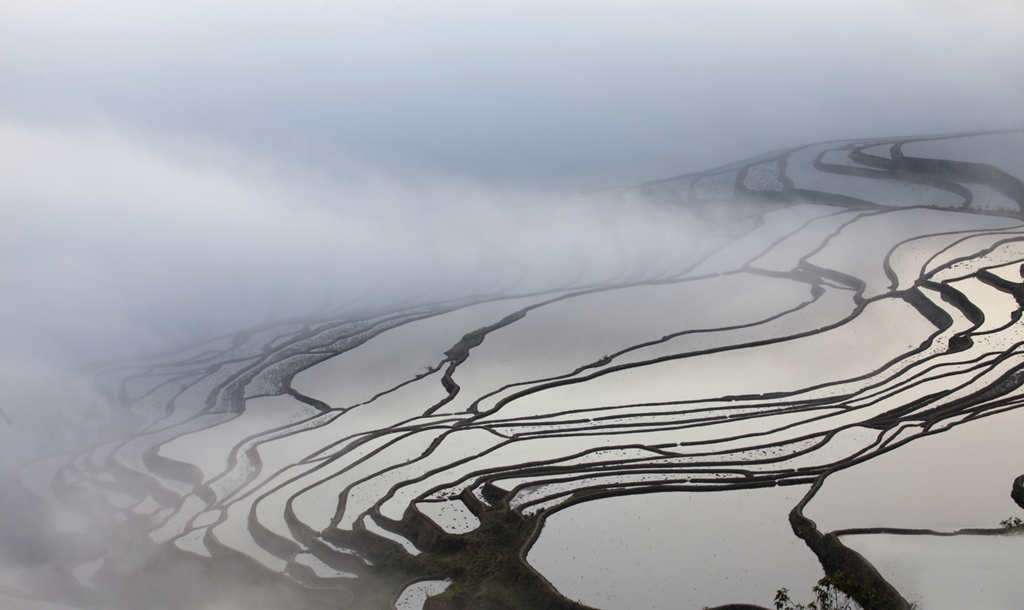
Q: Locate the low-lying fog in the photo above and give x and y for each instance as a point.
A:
(175, 172)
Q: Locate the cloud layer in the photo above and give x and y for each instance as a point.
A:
(569, 93)
(176, 171)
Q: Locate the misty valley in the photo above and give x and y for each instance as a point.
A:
(828, 386)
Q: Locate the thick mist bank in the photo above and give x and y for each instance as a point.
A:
(173, 173)
(116, 246)
(110, 241)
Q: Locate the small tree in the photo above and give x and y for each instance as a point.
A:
(1012, 523)
(826, 597)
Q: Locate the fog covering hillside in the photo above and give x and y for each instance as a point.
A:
(510, 305)
(848, 301)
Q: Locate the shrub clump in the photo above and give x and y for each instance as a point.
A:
(827, 596)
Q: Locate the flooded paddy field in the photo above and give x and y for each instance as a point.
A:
(829, 387)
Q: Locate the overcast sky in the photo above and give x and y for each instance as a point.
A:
(572, 94)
